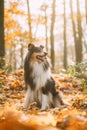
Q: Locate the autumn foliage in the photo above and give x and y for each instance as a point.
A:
(71, 116)
(71, 83)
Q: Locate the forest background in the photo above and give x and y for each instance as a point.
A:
(61, 26)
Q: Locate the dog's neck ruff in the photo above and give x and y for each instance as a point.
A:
(39, 75)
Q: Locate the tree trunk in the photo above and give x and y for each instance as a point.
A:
(21, 53)
(77, 35)
(14, 57)
(52, 35)
(29, 21)
(46, 31)
(86, 10)
(74, 30)
(65, 42)
(79, 38)
(2, 44)
(44, 8)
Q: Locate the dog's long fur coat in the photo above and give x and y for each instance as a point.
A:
(39, 82)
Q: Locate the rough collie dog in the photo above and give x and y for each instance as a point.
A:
(39, 82)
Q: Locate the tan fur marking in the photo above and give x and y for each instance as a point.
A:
(34, 59)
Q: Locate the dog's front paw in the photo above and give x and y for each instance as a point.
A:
(44, 107)
(25, 106)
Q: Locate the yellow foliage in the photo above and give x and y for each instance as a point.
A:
(14, 9)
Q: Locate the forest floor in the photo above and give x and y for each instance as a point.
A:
(71, 116)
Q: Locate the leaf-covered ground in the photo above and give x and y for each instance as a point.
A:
(71, 116)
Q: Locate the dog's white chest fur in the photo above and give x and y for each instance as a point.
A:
(40, 76)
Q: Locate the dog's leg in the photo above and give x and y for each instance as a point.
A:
(27, 97)
(45, 102)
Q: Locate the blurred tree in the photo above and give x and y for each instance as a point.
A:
(13, 33)
(21, 52)
(79, 36)
(65, 42)
(77, 33)
(73, 25)
(2, 43)
(86, 10)
(52, 34)
(29, 21)
(14, 57)
(44, 8)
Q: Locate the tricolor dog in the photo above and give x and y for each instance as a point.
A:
(38, 79)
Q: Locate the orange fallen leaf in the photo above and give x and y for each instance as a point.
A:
(73, 122)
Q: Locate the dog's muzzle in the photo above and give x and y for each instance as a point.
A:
(42, 57)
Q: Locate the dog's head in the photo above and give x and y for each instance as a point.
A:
(37, 54)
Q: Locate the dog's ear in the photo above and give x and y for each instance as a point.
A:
(41, 46)
(30, 46)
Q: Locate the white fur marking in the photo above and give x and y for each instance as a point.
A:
(40, 76)
(46, 101)
(31, 96)
(27, 98)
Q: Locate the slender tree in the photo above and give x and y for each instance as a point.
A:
(29, 21)
(65, 42)
(2, 43)
(86, 10)
(52, 34)
(74, 29)
(44, 8)
(46, 27)
(21, 52)
(79, 37)
(85, 43)
(77, 33)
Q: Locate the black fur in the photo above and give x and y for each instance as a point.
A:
(50, 87)
(27, 73)
(46, 65)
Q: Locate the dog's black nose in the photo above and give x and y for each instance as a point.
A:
(45, 53)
